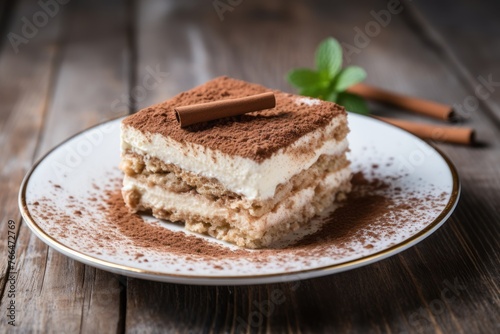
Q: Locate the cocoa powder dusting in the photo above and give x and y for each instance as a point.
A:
(374, 210)
(255, 135)
(363, 206)
(357, 213)
(160, 238)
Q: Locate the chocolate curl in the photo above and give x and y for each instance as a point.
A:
(447, 134)
(417, 105)
(204, 112)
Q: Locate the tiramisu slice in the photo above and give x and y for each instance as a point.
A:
(248, 179)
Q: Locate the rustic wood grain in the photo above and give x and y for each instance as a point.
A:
(25, 83)
(55, 293)
(88, 64)
(6, 14)
(472, 48)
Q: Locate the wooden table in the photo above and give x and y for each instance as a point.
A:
(84, 62)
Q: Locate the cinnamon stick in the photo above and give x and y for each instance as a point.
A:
(204, 112)
(417, 105)
(450, 134)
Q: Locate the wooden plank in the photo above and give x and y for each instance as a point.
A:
(25, 83)
(260, 41)
(6, 9)
(54, 292)
(472, 48)
(169, 59)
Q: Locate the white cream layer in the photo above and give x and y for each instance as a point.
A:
(254, 180)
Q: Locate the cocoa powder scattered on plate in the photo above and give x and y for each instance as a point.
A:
(146, 234)
(363, 206)
(373, 211)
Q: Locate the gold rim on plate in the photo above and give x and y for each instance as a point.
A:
(245, 279)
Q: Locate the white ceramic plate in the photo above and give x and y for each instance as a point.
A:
(60, 201)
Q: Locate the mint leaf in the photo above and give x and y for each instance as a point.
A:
(349, 76)
(329, 82)
(317, 92)
(303, 77)
(329, 57)
(353, 103)
(332, 97)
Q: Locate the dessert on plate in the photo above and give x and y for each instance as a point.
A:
(247, 179)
